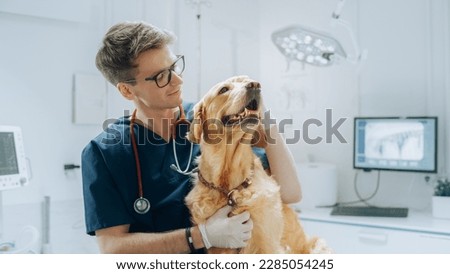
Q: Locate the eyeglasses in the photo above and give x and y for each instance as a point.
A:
(163, 78)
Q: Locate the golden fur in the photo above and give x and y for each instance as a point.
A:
(227, 160)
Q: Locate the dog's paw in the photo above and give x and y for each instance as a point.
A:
(238, 210)
(321, 247)
(242, 197)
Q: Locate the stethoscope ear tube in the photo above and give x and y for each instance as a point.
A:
(176, 167)
(187, 173)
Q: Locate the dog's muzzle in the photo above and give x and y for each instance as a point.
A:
(249, 113)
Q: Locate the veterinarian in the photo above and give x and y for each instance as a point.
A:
(135, 178)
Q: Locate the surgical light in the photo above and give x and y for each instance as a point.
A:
(307, 45)
(317, 48)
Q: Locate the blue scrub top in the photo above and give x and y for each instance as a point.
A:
(110, 185)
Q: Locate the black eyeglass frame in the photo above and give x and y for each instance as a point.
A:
(170, 69)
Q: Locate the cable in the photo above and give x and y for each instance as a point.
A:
(198, 5)
(361, 199)
(364, 200)
(360, 55)
(337, 12)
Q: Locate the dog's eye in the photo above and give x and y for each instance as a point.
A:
(223, 90)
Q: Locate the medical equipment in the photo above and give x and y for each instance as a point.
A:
(13, 166)
(396, 143)
(14, 171)
(27, 242)
(142, 205)
(309, 46)
(314, 47)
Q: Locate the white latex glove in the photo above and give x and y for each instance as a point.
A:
(226, 232)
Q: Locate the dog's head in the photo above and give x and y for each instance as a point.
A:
(231, 108)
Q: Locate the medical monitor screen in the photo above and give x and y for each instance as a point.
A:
(402, 144)
(8, 157)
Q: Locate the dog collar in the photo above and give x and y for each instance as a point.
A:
(228, 193)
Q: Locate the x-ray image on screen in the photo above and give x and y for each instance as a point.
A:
(393, 140)
(405, 144)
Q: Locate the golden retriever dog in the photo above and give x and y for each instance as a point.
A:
(226, 125)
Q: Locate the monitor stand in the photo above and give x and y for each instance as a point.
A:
(4, 245)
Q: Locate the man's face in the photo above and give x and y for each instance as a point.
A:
(146, 93)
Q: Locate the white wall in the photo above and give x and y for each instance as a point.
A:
(40, 53)
(407, 60)
(311, 90)
(229, 42)
(406, 74)
(38, 58)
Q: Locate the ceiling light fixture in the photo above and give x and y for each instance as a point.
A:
(315, 47)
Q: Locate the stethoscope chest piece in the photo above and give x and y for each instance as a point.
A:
(141, 205)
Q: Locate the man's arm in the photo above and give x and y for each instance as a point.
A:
(118, 240)
(218, 231)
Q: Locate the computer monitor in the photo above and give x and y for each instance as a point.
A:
(13, 168)
(395, 143)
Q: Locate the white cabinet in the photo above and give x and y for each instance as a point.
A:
(418, 233)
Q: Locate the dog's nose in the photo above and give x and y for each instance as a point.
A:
(253, 85)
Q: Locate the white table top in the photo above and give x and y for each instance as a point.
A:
(417, 221)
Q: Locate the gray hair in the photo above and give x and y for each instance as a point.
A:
(121, 46)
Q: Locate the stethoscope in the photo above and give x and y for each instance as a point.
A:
(142, 205)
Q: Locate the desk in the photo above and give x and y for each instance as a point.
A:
(418, 233)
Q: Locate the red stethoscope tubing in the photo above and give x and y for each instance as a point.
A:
(136, 155)
(142, 205)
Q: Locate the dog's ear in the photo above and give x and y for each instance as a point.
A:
(195, 131)
(259, 137)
